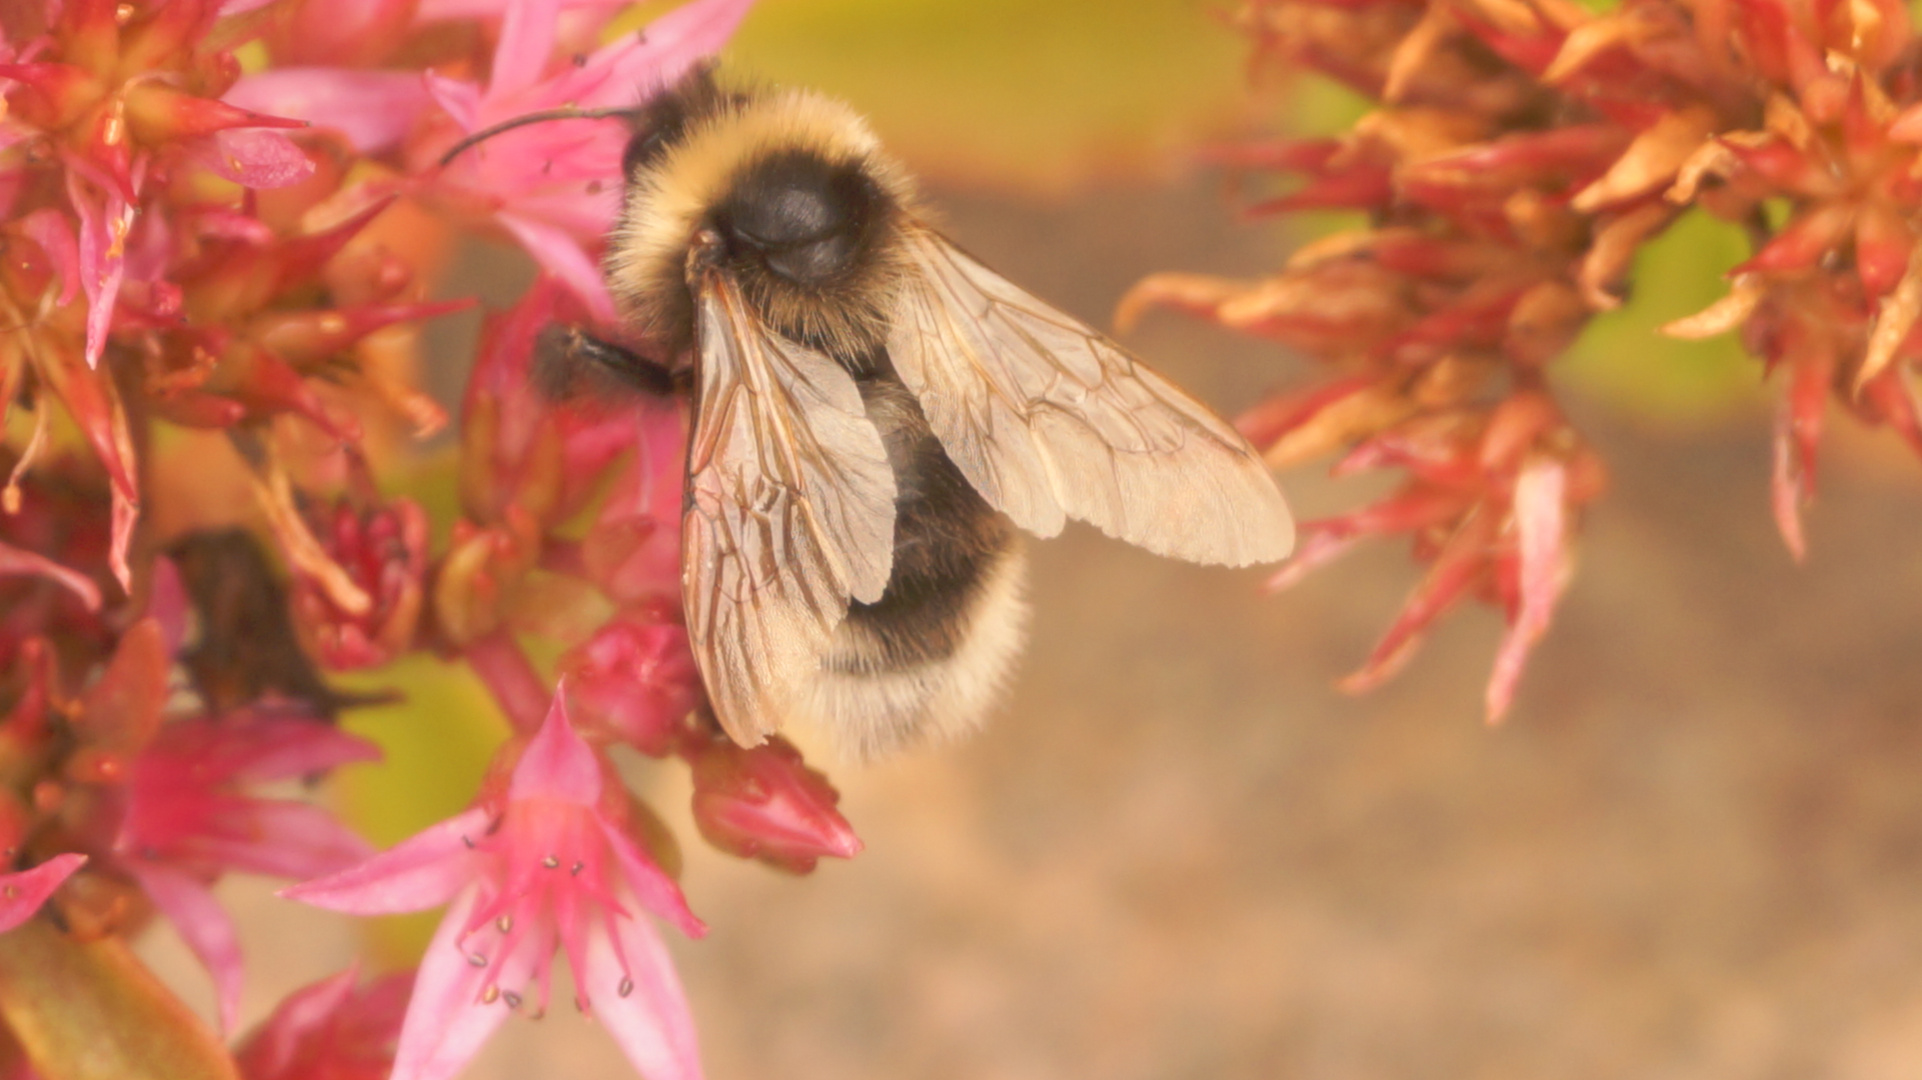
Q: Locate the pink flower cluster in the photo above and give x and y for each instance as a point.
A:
(220, 221)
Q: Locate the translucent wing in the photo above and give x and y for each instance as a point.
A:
(1049, 420)
(790, 511)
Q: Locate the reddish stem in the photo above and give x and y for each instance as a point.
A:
(512, 678)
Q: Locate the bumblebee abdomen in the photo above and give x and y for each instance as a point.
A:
(928, 659)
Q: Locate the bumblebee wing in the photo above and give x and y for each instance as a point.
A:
(790, 511)
(1049, 420)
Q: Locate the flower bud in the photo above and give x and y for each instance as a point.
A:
(765, 803)
(636, 680)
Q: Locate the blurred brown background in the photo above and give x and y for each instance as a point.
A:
(1694, 851)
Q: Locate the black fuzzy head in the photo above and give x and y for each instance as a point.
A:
(807, 220)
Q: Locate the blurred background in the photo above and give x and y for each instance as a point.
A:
(1695, 849)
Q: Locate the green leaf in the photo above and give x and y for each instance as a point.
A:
(92, 1011)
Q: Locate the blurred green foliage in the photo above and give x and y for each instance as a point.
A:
(1013, 94)
(1624, 359)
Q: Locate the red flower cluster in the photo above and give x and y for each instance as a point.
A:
(1520, 153)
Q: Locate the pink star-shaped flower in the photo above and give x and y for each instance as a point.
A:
(189, 819)
(549, 867)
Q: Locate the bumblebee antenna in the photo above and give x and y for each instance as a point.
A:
(532, 118)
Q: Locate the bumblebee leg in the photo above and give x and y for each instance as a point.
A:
(568, 361)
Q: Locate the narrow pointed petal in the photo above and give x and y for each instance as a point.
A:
(650, 885)
(422, 871)
(1893, 322)
(273, 1047)
(636, 995)
(15, 562)
(526, 43)
(22, 894)
(254, 157)
(637, 65)
(446, 1020)
(1318, 548)
(557, 764)
(203, 924)
(288, 839)
(104, 224)
(1541, 527)
(563, 257)
(374, 109)
(48, 228)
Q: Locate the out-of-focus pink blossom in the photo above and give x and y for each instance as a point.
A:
(329, 1030)
(551, 866)
(22, 892)
(555, 187)
(763, 802)
(189, 818)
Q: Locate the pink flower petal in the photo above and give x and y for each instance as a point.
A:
(374, 109)
(21, 894)
(562, 256)
(526, 45)
(274, 1047)
(557, 765)
(126, 515)
(168, 604)
(420, 872)
(103, 220)
(1541, 526)
(253, 157)
(441, 10)
(634, 68)
(283, 838)
(15, 562)
(1318, 549)
(202, 923)
(650, 885)
(48, 228)
(280, 747)
(458, 99)
(629, 979)
(448, 1018)
(329, 1030)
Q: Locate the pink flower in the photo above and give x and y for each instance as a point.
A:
(555, 187)
(188, 819)
(551, 866)
(329, 1031)
(22, 893)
